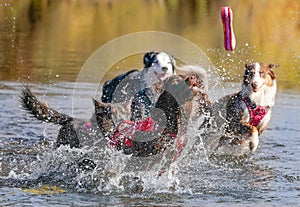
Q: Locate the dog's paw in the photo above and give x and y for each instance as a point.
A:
(138, 185)
(86, 164)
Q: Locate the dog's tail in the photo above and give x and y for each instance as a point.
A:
(41, 110)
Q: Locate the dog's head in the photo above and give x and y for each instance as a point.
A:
(158, 66)
(179, 88)
(258, 75)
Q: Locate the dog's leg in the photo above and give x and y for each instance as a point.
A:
(253, 136)
(264, 123)
(67, 136)
(254, 140)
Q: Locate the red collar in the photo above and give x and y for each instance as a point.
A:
(257, 112)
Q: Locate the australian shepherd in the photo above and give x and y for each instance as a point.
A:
(235, 121)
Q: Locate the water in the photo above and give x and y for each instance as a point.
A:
(29, 162)
(45, 44)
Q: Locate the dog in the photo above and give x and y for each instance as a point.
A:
(157, 67)
(237, 120)
(154, 125)
(139, 90)
(72, 130)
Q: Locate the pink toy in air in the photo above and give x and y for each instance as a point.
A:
(229, 38)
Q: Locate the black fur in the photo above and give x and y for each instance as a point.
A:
(67, 134)
(168, 103)
(41, 110)
(109, 87)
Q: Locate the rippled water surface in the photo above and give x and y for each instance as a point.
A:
(44, 44)
(29, 162)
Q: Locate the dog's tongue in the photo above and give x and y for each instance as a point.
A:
(161, 77)
(254, 89)
(195, 89)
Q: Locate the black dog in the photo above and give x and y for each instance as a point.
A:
(169, 113)
(71, 128)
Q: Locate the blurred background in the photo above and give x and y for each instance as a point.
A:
(48, 41)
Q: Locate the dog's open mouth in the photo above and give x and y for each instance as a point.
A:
(161, 77)
(194, 84)
(255, 88)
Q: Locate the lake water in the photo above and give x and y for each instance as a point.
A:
(29, 161)
(46, 43)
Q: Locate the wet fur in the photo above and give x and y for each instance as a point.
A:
(157, 67)
(67, 134)
(229, 116)
(175, 102)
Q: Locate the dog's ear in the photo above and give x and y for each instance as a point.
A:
(271, 72)
(148, 59)
(271, 66)
(247, 65)
(173, 62)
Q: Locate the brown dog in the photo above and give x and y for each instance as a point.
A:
(169, 115)
(238, 119)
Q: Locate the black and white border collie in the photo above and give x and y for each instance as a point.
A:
(157, 67)
(236, 120)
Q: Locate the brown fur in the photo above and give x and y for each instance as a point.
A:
(230, 116)
(175, 101)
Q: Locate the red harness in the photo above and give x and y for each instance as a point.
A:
(257, 112)
(127, 132)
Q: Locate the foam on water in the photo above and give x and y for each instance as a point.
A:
(29, 160)
(114, 171)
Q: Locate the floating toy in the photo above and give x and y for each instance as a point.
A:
(229, 38)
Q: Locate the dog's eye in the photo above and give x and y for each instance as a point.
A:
(262, 74)
(155, 60)
(249, 73)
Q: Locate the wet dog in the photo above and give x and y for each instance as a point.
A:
(157, 67)
(238, 119)
(157, 126)
(71, 129)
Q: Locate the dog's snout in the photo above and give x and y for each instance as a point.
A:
(193, 80)
(164, 69)
(254, 84)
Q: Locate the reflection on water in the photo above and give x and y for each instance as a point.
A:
(48, 41)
